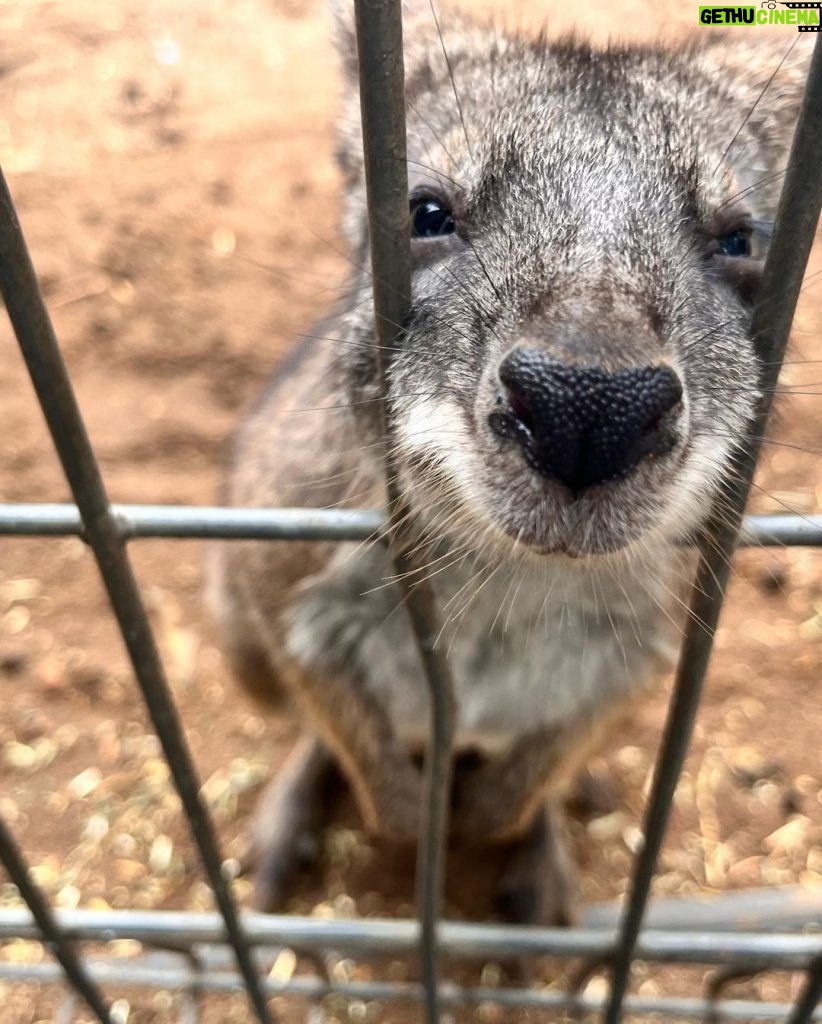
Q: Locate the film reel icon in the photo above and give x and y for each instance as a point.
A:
(800, 5)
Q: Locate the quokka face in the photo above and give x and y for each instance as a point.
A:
(588, 231)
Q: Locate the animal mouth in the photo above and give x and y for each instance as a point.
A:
(601, 520)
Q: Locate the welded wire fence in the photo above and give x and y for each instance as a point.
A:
(199, 954)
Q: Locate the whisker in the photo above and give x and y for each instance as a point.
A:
(756, 102)
(451, 76)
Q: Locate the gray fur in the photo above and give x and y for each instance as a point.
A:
(588, 185)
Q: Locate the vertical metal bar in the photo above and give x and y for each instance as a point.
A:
(52, 934)
(382, 102)
(793, 235)
(35, 334)
(810, 995)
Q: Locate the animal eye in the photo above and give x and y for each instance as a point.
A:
(735, 243)
(430, 217)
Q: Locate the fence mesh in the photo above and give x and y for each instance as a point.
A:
(613, 945)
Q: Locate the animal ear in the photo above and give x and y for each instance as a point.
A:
(763, 77)
(421, 40)
(414, 12)
(345, 36)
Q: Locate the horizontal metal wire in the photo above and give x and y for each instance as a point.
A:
(216, 522)
(204, 522)
(170, 973)
(770, 909)
(459, 940)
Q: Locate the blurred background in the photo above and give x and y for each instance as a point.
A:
(172, 165)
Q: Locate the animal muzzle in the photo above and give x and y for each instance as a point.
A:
(581, 426)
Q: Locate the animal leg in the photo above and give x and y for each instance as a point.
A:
(539, 884)
(288, 820)
(388, 787)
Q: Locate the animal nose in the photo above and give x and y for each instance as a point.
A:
(580, 425)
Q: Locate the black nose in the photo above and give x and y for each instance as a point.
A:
(580, 425)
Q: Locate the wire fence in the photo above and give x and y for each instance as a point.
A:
(229, 951)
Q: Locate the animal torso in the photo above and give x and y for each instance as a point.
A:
(528, 646)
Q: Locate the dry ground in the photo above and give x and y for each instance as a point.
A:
(172, 167)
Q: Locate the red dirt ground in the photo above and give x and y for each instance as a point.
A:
(172, 167)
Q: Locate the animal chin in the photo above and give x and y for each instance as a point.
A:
(600, 544)
(596, 525)
(511, 511)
